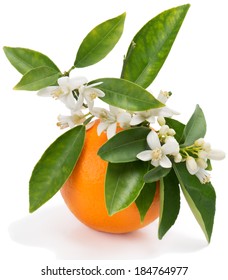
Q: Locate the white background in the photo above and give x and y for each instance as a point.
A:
(196, 73)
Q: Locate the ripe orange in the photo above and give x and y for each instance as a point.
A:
(83, 192)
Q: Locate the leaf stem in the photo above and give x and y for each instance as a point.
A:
(67, 73)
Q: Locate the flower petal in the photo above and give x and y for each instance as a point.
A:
(102, 126)
(47, 92)
(216, 155)
(151, 119)
(165, 162)
(145, 155)
(153, 140)
(171, 147)
(98, 92)
(137, 119)
(111, 130)
(90, 105)
(155, 163)
(94, 85)
(167, 112)
(64, 85)
(97, 111)
(203, 176)
(76, 82)
(163, 96)
(89, 125)
(124, 119)
(69, 101)
(191, 165)
(114, 110)
(63, 81)
(202, 163)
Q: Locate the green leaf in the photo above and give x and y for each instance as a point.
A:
(125, 145)
(151, 46)
(156, 174)
(25, 60)
(195, 128)
(55, 166)
(169, 203)
(201, 198)
(145, 199)
(126, 95)
(123, 184)
(177, 126)
(38, 78)
(100, 41)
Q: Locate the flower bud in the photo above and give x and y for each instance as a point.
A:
(171, 132)
(163, 96)
(178, 158)
(206, 147)
(202, 154)
(201, 163)
(216, 155)
(161, 120)
(191, 165)
(199, 142)
(164, 130)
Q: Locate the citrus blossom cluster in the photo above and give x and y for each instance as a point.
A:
(152, 151)
(79, 98)
(196, 156)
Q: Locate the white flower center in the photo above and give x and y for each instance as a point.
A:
(104, 115)
(93, 95)
(156, 154)
(56, 93)
(76, 118)
(166, 94)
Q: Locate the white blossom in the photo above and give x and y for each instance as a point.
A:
(76, 118)
(64, 90)
(140, 117)
(110, 119)
(90, 93)
(215, 154)
(149, 115)
(203, 176)
(161, 120)
(202, 163)
(207, 152)
(191, 165)
(177, 157)
(158, 153)
(163, 96)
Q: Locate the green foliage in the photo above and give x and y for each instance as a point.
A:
(151, 46)
(195, 128)
(125, 145)
(38, 78)
(100, 41)
(55, 166)
(126, 95)
(25, 60)
(177, 126)
(155, 174)
(123, 183)
(145, 199)
(169, 203)
(128, 179)
(201, 198)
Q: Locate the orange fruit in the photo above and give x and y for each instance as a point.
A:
(83, 192)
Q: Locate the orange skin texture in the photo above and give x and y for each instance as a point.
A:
(84, 192)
